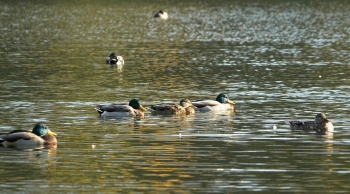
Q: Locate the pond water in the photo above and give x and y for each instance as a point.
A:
(277, 60)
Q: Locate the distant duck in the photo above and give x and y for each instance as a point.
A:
(222, 103)
(39, 136)
(320, 125)
(162, 15)
(134, 109)
(114, 60)
(184, 108)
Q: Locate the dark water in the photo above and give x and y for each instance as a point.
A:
(278, 60)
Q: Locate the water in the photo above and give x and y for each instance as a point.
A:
(278, 60)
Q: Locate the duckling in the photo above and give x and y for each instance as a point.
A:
(162, 15)
(222, 103)
(114, 60)
(134, 109)
(184, 108)
(40, 135)
(320, 125)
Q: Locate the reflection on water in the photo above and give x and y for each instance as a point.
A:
(277, 61)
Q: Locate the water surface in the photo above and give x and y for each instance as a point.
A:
(278, 60)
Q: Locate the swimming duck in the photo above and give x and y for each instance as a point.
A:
(40, 135)
(114, 110)
(320, 125)
(222, 103)
(184, 108)
(114, 60)
(162, 15)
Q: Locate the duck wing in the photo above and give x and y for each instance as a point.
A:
(116, 108)
(2, 135)
(168, 109)
(204, 103)
(302, 125)
(162, 107)
(13, 137)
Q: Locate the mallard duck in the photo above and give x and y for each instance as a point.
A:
(320, 125)
(114, 60)
(184, 108)
(222, 103)
(114, 110)
(162, 15)
(40, 135)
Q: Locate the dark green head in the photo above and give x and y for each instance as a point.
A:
(223, 98)
(136, 105)
(41, 129)
(112, 55)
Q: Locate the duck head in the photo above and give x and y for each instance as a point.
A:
(223, 98)
(320, 117)
(41, 129)
(112, 55)
(186, 103)
(136, 105)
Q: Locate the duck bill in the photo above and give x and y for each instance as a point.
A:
(142, 108)
(230, 102)
(51, 133)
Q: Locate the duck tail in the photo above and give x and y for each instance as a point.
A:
(99, 110)
(150, 109)
(288, 123)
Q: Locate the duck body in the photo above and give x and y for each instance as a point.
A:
(134, 109)
(222, 103)
(40, 135)
(112, 59)
(184, 108)
(321, 124)
(161, 14)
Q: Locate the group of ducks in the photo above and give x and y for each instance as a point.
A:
(41, 135)
(185, 107)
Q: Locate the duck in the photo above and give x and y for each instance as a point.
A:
(40, 135)
(162, 15)
(185, 107)
(112, 59)
(320, 125)
(222, 103)
(134, 109)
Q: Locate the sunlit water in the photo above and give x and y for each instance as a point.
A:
(278, 60)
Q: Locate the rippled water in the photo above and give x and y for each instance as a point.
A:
(278, 60)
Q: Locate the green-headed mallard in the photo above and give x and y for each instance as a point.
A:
(222, 103)
(40, 135)
(114, 110)
(112, 59)
(161, 14)
(320, 125)
(184, 108)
